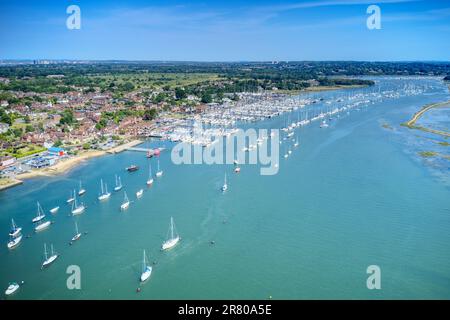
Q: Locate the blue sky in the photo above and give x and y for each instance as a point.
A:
(225, 30)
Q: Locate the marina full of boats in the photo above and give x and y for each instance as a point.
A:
(222, 120)
(251, 107)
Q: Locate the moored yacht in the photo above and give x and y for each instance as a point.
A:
(146, 269)
(173, 238)
(54, 210)
(71, 197)
(14, 242)
(159, 173)
(118, 186)
(15, 230)
(81, 191)
(150, 178)
(104, 195)
(40, 214)
(77, 209)
(42, 226)
(77, 234)
(51, 259)
(225, 185)
(126, 203)
(12, 288)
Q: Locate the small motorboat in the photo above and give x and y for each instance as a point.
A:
(132, 168)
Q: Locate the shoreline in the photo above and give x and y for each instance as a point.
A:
(66, 165)
(411, 124)
(6, 183)
(320, 89)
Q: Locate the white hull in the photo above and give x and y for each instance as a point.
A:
(224, 188)
(11, 289)
(159, 174)
(146, 274)
(70, 200)
(125, 206)
(104, 197)
(117, 188)
(76, 237)
(39, 218)
(54, 210)
(81, 192)
(150, 182)
(169, 244)
(16, 232)
(42, 226)
(49, 260)
(139, 193)
(15, 242)
(237, 170)
(78, 210)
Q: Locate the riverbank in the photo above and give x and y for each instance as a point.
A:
(319, 89)
(62, 166)
(6, 183)
(65, 165)
(411, 124)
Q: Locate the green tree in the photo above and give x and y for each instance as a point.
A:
(150, 114)
(180, 93)
(206, 98)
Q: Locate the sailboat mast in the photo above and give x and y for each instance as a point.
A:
(45, 251)
(171, 227)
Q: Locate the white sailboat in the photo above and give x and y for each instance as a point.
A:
(77, 234)
(225, 185)
(42, 225)
(104, 195)
(40, 214)
(118, 186)
(15, 230)
(324, 124)
(14, 242)
(12, 287)
(150, 178)
(52, 258)
(126, 202)
(54, 210)
(77, 209)
(146, 269)
(81, 191)
(159, 173)
(172, 240)
(139, 193)
(71, 197)
(296, 142)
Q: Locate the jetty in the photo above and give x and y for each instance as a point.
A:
(146, 150)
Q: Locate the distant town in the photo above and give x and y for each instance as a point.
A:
(55, 110)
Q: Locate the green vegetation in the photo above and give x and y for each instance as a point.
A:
(428, 154)
(444, 143)
(67, 117)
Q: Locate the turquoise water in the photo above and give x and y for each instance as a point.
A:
(352, 195)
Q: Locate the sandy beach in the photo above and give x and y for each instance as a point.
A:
(62, 166)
